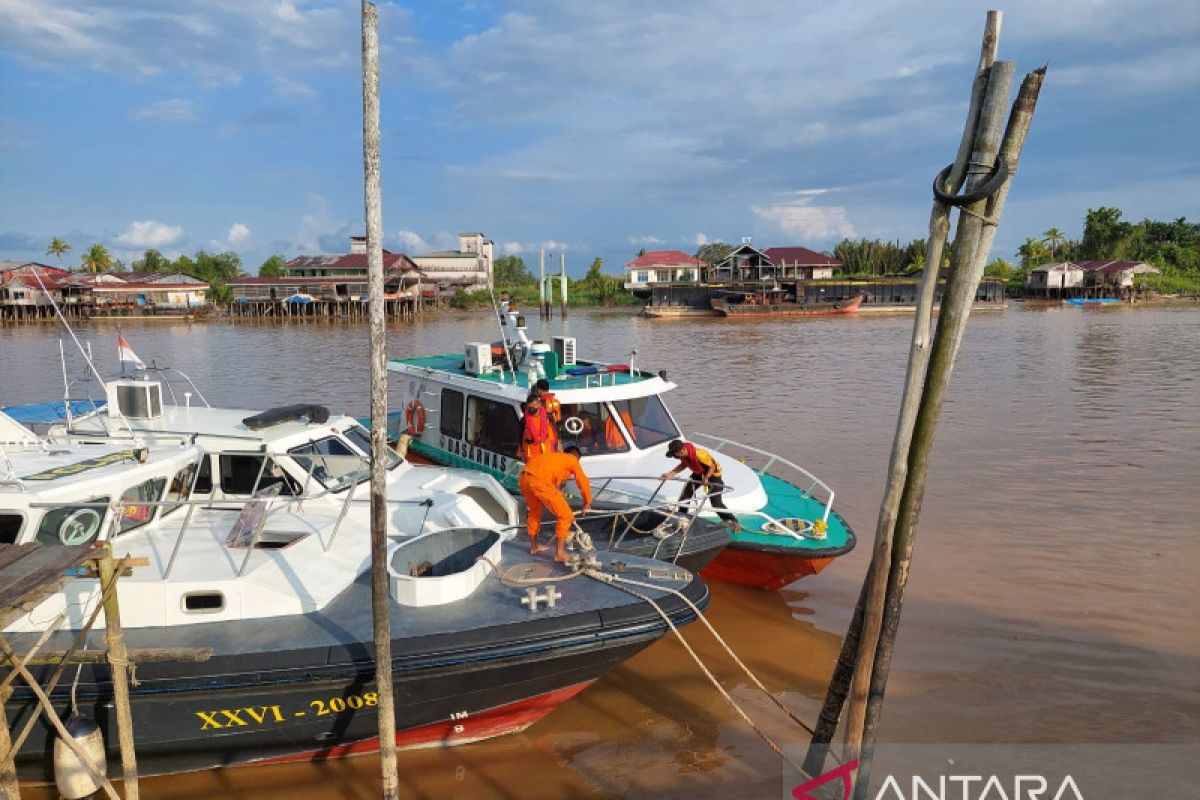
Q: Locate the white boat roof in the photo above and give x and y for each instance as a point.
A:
(587, 381)
(56, 466)
(202, 421)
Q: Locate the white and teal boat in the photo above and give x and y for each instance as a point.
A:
(463, 410)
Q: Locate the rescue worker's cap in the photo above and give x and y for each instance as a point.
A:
(675, 447)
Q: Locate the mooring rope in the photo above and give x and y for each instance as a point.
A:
(614, 580)
(704, 620)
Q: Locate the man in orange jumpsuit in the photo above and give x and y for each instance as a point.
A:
(539, 435)
(540, 482)
(553, 407)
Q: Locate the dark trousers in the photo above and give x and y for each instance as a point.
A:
(716, 487)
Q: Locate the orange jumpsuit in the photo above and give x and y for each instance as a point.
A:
(539, 435)
(540, 482)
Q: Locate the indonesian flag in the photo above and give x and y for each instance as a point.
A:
(126, 355)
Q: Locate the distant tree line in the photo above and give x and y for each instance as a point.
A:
(212, 268)
(1173, 247)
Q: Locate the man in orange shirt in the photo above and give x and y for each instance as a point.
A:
(540, 482)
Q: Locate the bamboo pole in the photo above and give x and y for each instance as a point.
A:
(874, 585)
(118, 660)
(562, 283)
(976, 231)
(966, 241)
(8, 769)
(542, 306)
(373, 208)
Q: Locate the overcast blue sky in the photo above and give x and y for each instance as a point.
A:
(594, 128)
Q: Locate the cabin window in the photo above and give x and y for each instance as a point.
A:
(493, 426)
(181, 487)
(204, 481)
(239, 473)
(598, 432)
(330, 461)
(450, 418)
(78, 524)
(134, 515)
(10, 527)
(647, 419)
(360, 438)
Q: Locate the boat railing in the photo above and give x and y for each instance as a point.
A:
(743, 451)
(683, 512)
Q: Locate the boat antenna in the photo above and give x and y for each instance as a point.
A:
(503, 335)
(62, 357)
(85, 353)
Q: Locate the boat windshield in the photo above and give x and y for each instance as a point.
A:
(592, 428)
(331, 461)
(361, 439)
(647, 420)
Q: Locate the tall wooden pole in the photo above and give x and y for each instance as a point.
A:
(9, 787)
(562, 282)
(380, 598)
(118, 659)
(976, 231)
(874, 585)
(542, 303)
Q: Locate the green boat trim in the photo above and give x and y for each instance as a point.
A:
(787, 501)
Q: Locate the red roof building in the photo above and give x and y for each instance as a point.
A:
(663, 266)
(802, 263)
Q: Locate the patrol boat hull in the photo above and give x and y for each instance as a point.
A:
(302, 688)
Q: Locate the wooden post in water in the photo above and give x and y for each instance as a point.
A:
(380, 596)
(118, 660)
(562, 283)
(9, 786)
(543, 305)
(863, 665)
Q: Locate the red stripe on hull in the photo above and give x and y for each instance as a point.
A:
(512, 718)
(417, 458)
(768, 571)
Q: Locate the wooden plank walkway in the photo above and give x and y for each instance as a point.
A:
(29, 573)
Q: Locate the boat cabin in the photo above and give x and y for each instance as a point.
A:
(460, 415)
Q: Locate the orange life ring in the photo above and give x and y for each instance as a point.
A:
(414, 418)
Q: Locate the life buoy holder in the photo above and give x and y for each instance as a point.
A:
(414, 418)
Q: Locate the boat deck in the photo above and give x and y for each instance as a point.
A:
(786, 501)
(452, 364)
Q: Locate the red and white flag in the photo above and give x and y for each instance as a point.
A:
(126, 355)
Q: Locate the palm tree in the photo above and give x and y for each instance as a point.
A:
(96, 259)
(1053, 237)
(57, 247)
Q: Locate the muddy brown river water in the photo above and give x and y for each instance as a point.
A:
(1055, 590)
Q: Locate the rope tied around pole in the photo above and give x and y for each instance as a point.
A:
(999, 174)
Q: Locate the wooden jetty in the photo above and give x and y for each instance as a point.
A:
(29, 573)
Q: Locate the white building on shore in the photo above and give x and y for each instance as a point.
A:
(470, 266)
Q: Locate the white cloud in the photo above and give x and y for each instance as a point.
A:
(412, 242)
(173, 110)
(150, 234)
(699, 239)
(238, 233)
(641, 240)
(291, 88)
(549, 245)
(800, 219)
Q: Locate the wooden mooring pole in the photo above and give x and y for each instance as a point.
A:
(863, 666)
(380, 596)
(118, 660)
